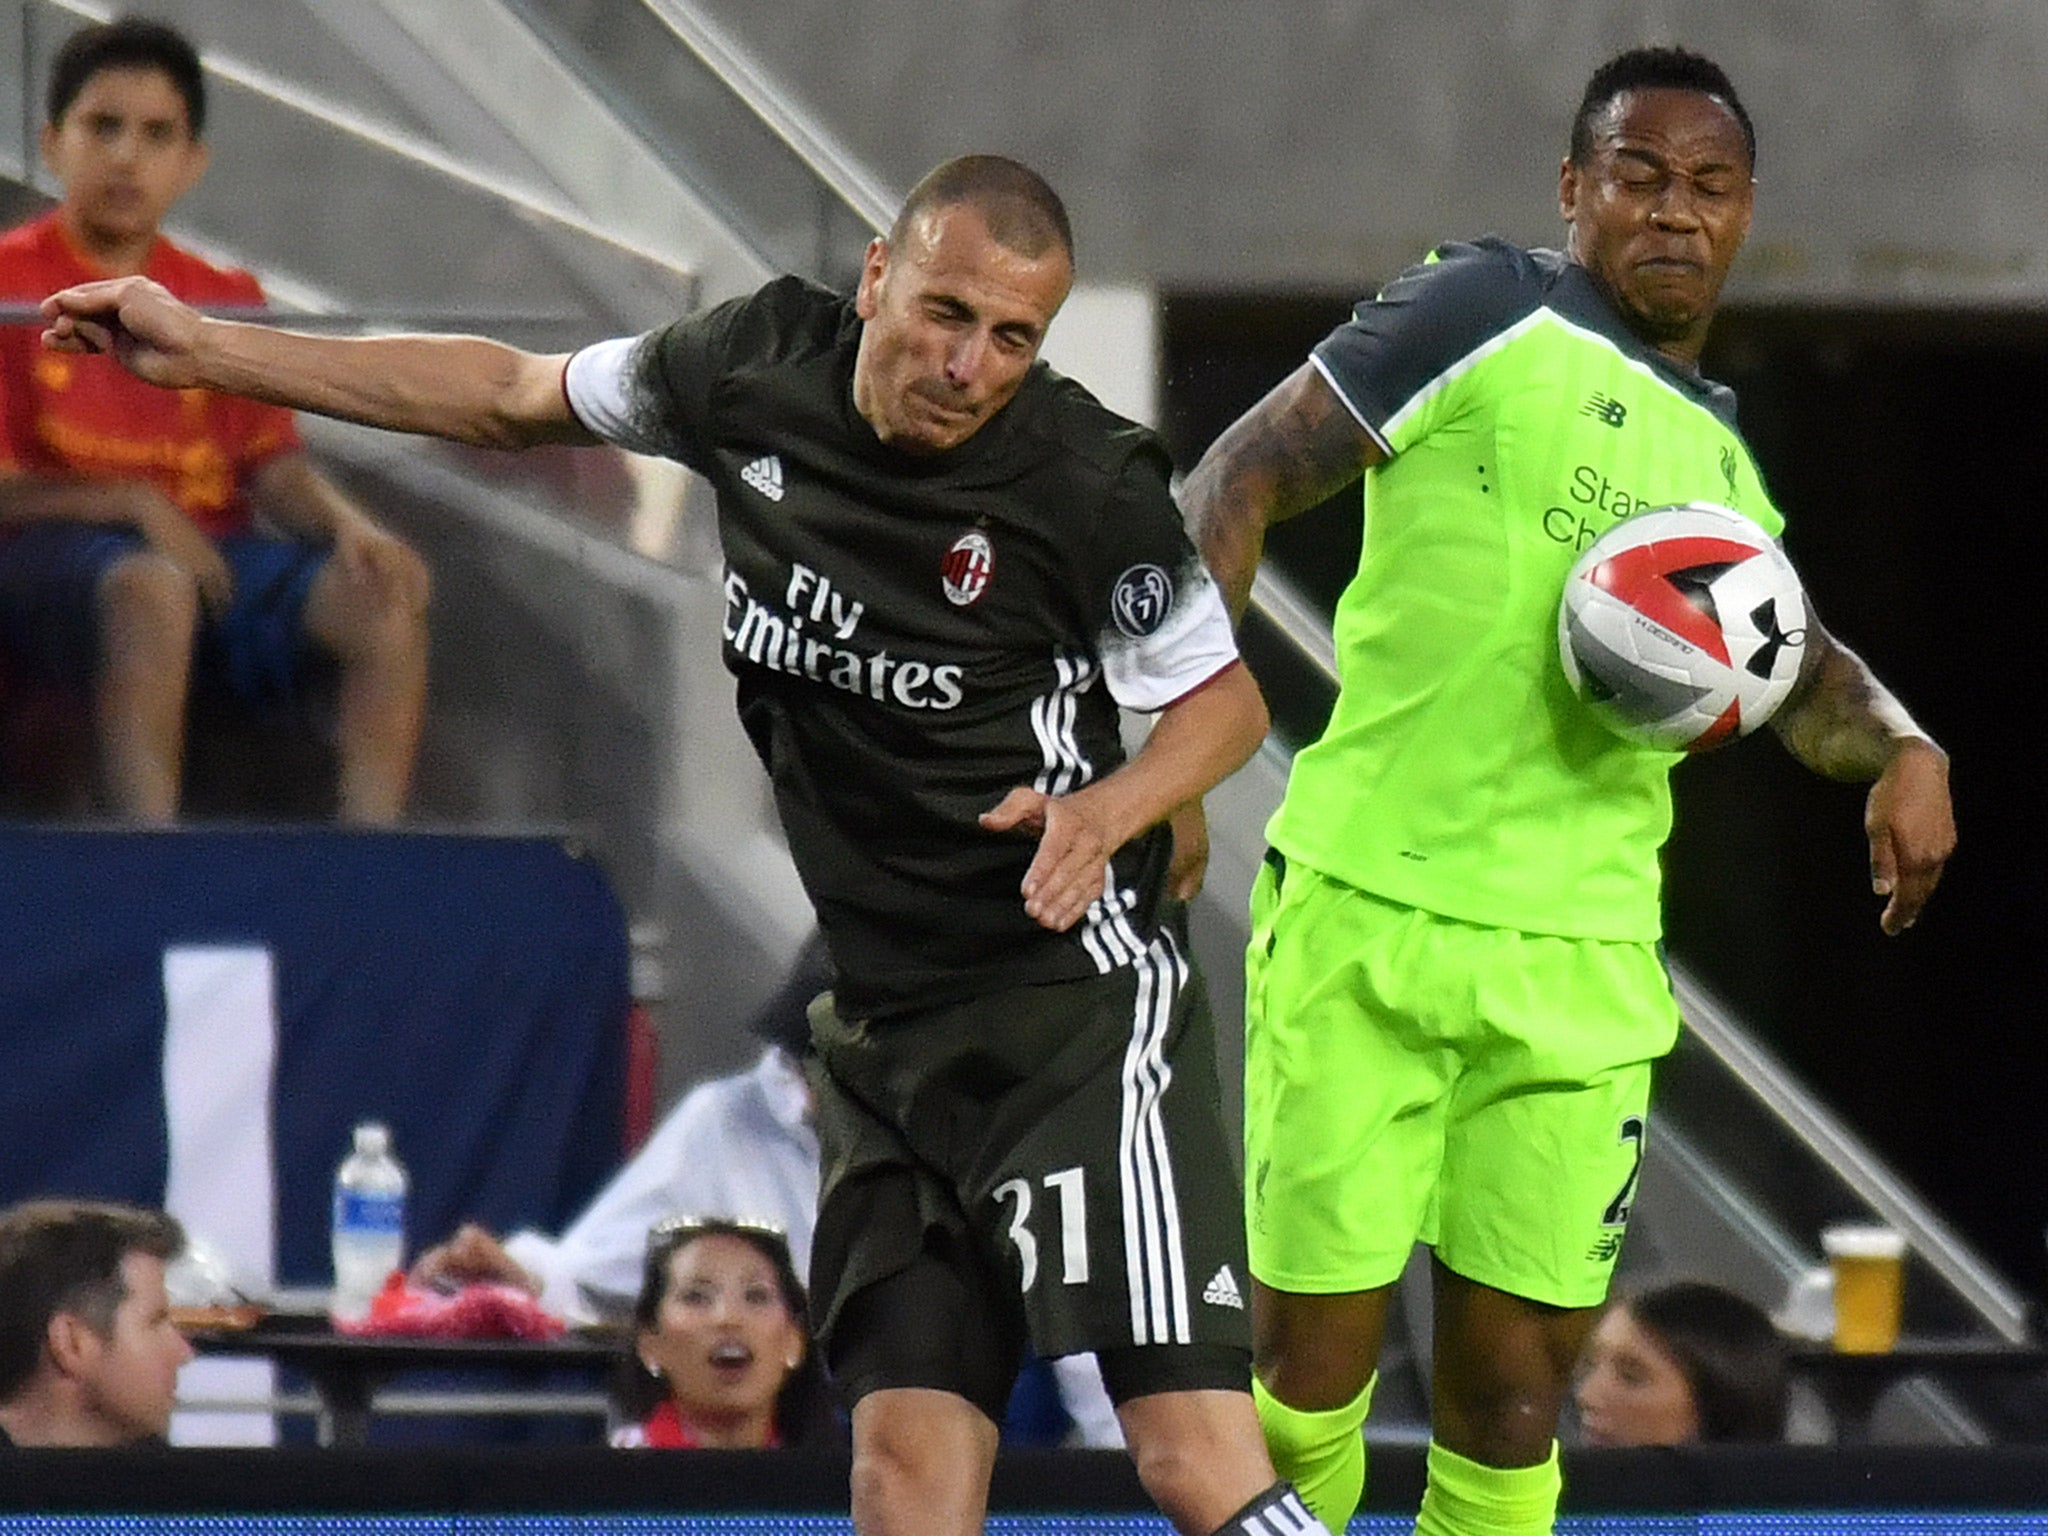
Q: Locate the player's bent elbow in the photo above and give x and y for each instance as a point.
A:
(1251, 718)
(522, 405)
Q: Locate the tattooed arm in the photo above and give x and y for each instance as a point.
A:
(1843, 723)
(1295, 448)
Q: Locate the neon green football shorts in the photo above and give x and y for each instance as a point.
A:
(1410, 1077)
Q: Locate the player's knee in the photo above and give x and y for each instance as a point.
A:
(1295, 1433)
(888, 1469)
(923, 1457)
(1316, 1360)
(1496, 1420)
(1170, 1469)
(149, 602)
(1189, 1426)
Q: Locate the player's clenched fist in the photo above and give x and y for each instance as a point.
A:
(131, 319)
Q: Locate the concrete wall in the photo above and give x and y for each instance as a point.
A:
(1250, 143)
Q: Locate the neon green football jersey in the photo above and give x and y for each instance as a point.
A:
(1521, 419)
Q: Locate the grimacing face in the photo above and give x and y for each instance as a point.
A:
(724, 1339)
(1630, 1391)
(125, 153)
(954, 320)
(1660, 209)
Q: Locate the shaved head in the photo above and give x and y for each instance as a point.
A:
(1021, 210)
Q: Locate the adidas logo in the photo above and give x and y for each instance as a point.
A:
(765, 476)
(1221, 1291)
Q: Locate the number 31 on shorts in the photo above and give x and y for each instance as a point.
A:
(1068, 1194)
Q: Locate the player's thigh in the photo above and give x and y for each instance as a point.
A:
(1348, 1073)
(901, 1295)
(1105, 1184)
(1548, 1127)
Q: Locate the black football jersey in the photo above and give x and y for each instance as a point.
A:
(914, 636)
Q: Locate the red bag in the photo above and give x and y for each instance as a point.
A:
(482, 1310)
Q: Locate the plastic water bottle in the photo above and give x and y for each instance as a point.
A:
(369, 1220)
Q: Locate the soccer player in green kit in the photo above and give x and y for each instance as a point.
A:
(1453, 991)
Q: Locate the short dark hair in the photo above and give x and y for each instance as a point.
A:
(128, 42)
(65, 1256)
(1730, 1354)
(1021, 209)
(803, 1410)
(1649, 69)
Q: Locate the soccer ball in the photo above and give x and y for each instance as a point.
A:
(1682, 627)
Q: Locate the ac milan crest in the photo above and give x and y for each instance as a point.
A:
(966, 569)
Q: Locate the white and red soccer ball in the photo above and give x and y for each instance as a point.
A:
(1683, 627)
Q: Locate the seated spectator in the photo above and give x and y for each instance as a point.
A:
(1681, 1363)
(722, 1356)
(737, 1143)
(130, 562)
(88, 1353)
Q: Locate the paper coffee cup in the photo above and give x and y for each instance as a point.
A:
(1869, 1265)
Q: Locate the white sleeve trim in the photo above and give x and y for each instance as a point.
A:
(1357, 415)
(1191, 647)
(599, 385)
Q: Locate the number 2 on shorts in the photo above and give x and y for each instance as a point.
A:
(1616, 1214)
(1073, 1202)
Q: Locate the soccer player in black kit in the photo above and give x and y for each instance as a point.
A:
(946, 570)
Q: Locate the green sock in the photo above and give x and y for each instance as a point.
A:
(1321, 1452)
(1463, 1498)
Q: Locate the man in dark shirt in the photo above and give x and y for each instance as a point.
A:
(88, 1352)
(946, 570)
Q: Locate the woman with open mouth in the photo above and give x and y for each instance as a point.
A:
(721, 1354)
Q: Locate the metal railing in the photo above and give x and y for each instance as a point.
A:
(828, 160)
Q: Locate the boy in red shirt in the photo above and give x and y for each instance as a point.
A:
(129, 555)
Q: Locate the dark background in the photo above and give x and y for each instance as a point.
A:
(1906, 453)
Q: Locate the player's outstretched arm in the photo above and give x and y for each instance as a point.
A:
(1197, 741)
(1297, 447)
(1842, 722)
(460, 387)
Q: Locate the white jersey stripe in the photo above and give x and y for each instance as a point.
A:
(1048, 748)
(1119, 905)
(1091, 940)
(1169, 1198)
(1109, 935)
(1143, 1086)
(1127, 1177)
(1063, 768)
(1155, 1266)
(1083, 674)
(1104, 941)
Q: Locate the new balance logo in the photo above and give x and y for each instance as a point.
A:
(765, 476)
(1222, 1291)
(1613, 412)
